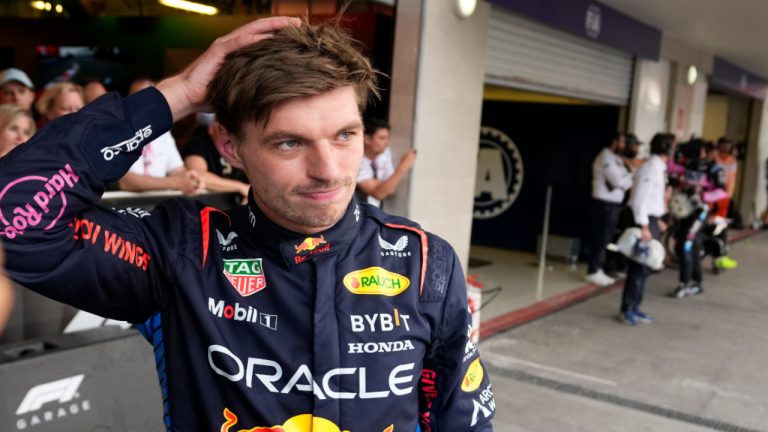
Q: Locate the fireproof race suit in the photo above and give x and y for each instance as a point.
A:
(361, 328)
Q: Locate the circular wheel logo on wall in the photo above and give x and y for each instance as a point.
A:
(499, 174)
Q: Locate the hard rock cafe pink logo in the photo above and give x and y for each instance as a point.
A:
(46, 202)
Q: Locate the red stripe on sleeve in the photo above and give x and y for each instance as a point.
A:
(424, 250)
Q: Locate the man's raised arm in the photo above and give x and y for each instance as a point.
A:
(58, 241)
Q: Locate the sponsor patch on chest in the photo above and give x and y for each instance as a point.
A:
(245, 275)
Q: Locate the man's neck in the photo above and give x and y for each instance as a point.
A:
(370, 154)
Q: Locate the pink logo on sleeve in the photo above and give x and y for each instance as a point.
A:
(46, 203)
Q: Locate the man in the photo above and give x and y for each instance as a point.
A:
(647, 203)
(200, 155)
(92, 89)
(286, 312)
(727, 161)
(611, 179)
(378, 178)
(689, 213)
(160, 166)
(17, 89)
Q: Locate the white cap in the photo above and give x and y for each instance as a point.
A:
(13, 74)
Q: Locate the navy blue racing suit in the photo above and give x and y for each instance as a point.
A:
(363, 327)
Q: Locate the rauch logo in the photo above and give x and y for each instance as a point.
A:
(42, 201)
(246, 275)
(376, 280)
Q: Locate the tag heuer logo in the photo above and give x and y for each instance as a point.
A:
(246, 275)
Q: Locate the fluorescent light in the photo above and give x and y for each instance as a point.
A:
(692, 75)
(190, 6)
(466, 7)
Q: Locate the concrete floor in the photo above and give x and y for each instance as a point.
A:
(516, 274)
(700, 367)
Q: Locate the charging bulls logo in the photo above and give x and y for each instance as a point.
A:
(310, 246)
(299, 423)
(246, 275)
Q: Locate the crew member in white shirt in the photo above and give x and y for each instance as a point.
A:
(160, 166)
(648, 205)
(378, 178)
(611, 179)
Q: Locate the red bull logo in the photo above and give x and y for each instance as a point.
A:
(299, 423)
(310, 244)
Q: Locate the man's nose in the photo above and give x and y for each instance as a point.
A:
(323, 163)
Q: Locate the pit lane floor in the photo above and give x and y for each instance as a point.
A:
(700, 367)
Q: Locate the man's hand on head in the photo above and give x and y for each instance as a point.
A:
(186, 91)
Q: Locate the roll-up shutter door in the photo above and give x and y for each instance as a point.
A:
(526, 55)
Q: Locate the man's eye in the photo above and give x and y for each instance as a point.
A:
(346, 136)
(288, 145)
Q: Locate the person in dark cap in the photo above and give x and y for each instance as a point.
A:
(16, 88)
(611, 179)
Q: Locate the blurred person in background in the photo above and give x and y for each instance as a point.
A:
(200, 155)
(6, 293)
(92, 89)
(16, 127)
(718, 178)
(611, 179)
(648, 205)
(378, 178)
(727, 161)
(160, 166)
(60, 99)
(16, 88)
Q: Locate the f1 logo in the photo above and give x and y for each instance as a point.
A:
(63, 391)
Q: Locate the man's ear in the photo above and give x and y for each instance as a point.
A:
(226, 144)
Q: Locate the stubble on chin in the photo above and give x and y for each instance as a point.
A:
(288, 206)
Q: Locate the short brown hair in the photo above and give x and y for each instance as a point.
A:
(296, 62)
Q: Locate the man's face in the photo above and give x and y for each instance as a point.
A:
(303, 163)
(65, 103)
(17, 132)
(16, 93)
(619, 144)
(378, 141)
(93, 90)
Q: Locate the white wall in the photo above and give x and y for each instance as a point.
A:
(753, 195)
(699, 107)
(648, 107)
(445, 119)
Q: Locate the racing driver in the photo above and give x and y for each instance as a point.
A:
(303, 310)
